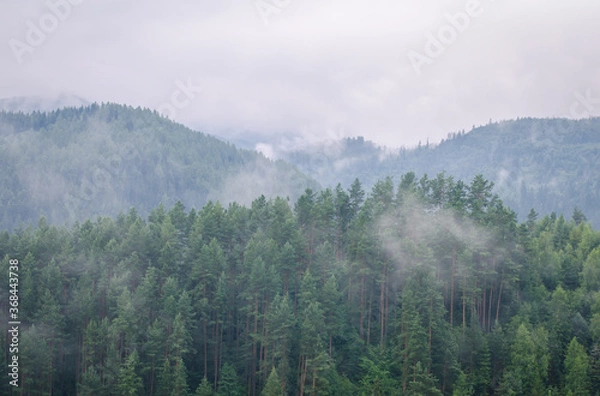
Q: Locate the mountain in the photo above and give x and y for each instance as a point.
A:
(77, 163)
(552, 165)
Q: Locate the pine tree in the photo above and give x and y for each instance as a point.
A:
(528, 369)
(204, 388)
(462, 386)
(280, 321)
(313, 356)
(577, 368)
(90, 384)
(378, 379)
(273, 385)
(180, 387)
(229, 382)
(129, 382)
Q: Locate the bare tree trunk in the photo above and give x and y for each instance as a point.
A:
(369, 321)
(303, 375)
(499, 297)
(205, 348)
(216, 357)
(382, 307)
(464, 307)
(362, 307)
(430, 340)
(483, 303)
(254, 347)
(452, 287)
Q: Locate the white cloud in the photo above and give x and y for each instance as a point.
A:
(317, 66)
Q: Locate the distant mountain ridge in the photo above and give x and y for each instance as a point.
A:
(76, 163)
(90, 159)
(551, 165)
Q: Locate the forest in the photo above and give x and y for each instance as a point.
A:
(549, 164)
(428, 286)
(77, 163)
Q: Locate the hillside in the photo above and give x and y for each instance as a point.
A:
(547, 164)
(77, 163)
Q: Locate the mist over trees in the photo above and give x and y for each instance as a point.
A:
(77, 163)
(428, 286)
(549, 164)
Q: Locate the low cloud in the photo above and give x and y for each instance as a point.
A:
(316, 66)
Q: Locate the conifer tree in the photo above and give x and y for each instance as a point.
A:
(204, 388)
(273, 385)
(129, 382)
(577, 370)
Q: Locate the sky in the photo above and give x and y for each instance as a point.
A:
(394, 71)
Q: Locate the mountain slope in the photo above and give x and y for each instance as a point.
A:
(79, 162)
(552, 165)
(548, 164)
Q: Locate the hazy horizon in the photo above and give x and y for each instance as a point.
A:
(395, 74)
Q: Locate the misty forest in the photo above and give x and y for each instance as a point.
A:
(300, 198)
(424, 286)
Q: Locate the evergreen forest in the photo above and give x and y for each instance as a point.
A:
(427, 286)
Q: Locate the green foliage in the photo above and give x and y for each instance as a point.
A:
(430, 287)
(229, 383)
(129, 382)
(204, 389)
(378, 379)
(108, 158)
(577, 368)
(462, 387)
(527, 372)
(547, 164)
(273, 385)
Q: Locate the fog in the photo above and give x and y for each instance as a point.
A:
(394, 72)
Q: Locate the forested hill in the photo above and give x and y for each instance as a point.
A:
(75, 163)
(424, 287)
(552, 165)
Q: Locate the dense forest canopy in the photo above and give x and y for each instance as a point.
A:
(428, 286)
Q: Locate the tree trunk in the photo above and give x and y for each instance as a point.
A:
(382, 307)
(499, 298)
(430, 340)
(362, 308)
(452, 287)
(483, 303)
(464, 307)
(369, 321)
(216, 357)
(205, 342)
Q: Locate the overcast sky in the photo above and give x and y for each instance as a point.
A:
(322, 68)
